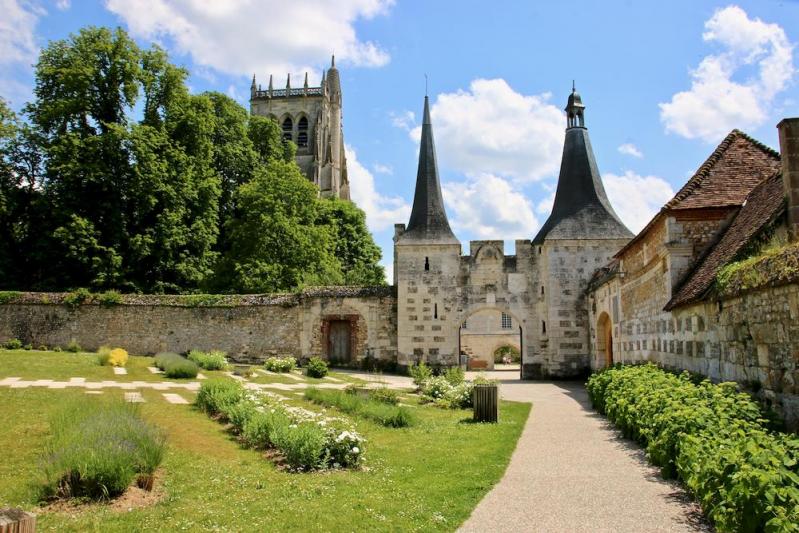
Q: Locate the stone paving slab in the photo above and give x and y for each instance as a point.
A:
(134, 397)
(119, 371)
(175, 398)
(154, 370)
(572, 472)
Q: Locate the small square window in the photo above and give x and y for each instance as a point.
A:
(507, 321)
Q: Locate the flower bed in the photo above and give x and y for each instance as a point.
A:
(380, 412)
(306, 440)
(450, 390)
(713, 438)
(280, 364)
(213, 360)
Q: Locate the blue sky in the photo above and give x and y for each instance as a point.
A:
(663, 83)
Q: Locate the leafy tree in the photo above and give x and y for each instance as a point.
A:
(355, 249)
(275, 243)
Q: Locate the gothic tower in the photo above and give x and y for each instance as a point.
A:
(581, 235)
(426, 263)
(311, 117)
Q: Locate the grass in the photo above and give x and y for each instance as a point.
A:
(61, 366)
(425, 478)
(382, 413)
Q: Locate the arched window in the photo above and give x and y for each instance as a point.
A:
(302, 132)
(288, 128)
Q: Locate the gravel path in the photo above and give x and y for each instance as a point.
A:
(572, 472)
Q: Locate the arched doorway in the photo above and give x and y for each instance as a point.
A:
(604, 341)
(490, 338)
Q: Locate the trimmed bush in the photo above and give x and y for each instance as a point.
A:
(280, 364)
(213, 360)
(455, 375)
(711, 437)
(107, 356)
(420, 373)
(260, 428)
(384, 395)
(73, 346)
(217, 395)
(302, 445)
(97, 449)
(175, 366)
(317, 368)
(13, 344)
(379, 412)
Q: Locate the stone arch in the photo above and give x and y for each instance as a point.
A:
(604, 341)
(287, 127)
(476, 348)
(342, 335)
(303, 130)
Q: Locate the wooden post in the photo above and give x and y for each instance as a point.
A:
(17, 521)
(485, 398)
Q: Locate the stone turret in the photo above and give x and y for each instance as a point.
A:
(581, 208)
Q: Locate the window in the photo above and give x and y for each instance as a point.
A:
(507, 322)
(543, 327)
(464, 325)
(288, 129)
(302, 132)
(426, 263)
(435, 310)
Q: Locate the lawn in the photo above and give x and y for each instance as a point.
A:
(425, 478)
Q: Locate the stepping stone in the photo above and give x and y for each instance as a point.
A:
(42, 382)
(94, 392)
(21, 384)
(8, 381)
(58, 385)
(154, 370)
(77, 380)
(175, 398)
(119, 371)
(200, 375)
(134, 397)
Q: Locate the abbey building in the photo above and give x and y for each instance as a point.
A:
(311, 117)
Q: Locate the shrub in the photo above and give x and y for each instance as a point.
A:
(455, 375)
(216, 395)
(302, 445)
(28, 347)
(8, 296)
(77, 297)
(710, 436)
(112, 357)
(13, 344)
(97, 449)
(261, 426)
(381, 413)
(280, 364)
(73, 346)
(507, 354)
(57, 348)
(175, 366)
(239, 413)
(317, 368)
(42, 348)
(420, 373)
(443, 393)
(213, 360)
(109, 298)
(384, 395)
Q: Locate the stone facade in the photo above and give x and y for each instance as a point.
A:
(311, 117)
(248, 332)
(486, 331)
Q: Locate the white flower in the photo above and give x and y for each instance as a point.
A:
(356, 450)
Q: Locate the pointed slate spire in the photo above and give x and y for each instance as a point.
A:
(581, 209)
(428, 222)
(270, 86)
(288, 81)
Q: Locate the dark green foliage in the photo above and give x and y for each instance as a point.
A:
(13, 344)
(77, 297)
(8, 296)
(303, 446)
(217, 395)
(176, 366)
(420, 373)
(713, 438)
(380, 412)
(214, 360)
(316, 368)
(73, 346)
(507, 352)
(98, 448)
(455, 375)
(109, 298)
(384, 395)
(260, 428)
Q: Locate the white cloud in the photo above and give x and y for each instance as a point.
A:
(63, 5)
(630, 149)
(268, 36)
(17, 37)
(716, 103)
(492, 129)
(404, 120)
(383, 169)
(488, 207)
(389, 270)
(636, 198)
(381, 211)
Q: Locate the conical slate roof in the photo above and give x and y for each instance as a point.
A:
(581, 209)
(428, 222)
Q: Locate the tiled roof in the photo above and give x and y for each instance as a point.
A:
(734, 168)
(762, 206)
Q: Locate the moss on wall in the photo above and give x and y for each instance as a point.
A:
(770, 268)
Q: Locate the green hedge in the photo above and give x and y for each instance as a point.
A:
(713, 438)
(176, 366)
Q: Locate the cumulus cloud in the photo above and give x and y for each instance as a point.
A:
(17, 36)
(630, 149)
(636, 199)
(381, 211)
(63, 5)
(492, 129)
(404, 120)
(717, 103)
(383, 169)
(489, 207)
(268, 36)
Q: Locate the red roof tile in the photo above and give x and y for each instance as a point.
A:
(762, 206)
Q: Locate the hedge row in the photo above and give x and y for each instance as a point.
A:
(713, 438)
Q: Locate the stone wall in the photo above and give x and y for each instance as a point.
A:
(249, 329)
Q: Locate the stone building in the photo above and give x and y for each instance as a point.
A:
(311, 117)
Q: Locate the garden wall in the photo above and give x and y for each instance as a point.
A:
(249, 328)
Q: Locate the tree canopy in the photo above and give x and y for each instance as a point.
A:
(119, 178)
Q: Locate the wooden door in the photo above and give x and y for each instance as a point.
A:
(339, 342)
